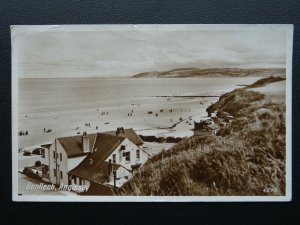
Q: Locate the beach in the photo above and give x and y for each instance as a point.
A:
(51, 108)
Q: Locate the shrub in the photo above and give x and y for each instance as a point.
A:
(37, 163)
(26, 153)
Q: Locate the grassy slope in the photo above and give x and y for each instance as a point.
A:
(246, 159)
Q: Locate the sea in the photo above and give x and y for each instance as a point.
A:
(51, 95)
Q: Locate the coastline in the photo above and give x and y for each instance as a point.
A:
(71, 120)
(247, 157)
(159, 132)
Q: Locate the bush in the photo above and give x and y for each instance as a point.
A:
(223, 131)
(37, 163)
(37, 151)
(26, 153)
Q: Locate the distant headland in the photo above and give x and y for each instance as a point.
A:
(213, 72)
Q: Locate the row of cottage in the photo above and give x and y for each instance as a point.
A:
(102, 160)
(211, 126)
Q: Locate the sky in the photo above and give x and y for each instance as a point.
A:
(128, 50)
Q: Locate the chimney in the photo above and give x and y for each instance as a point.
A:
(110, 170)
(85, 142)
(120, 131)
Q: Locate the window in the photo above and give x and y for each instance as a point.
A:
(54, 171)
(120, 156)
(114, 158)
(127, 156)
(60, 156)
(122, 147)
(53, 154)
(80, 181)
(61, 175)
(74, 179)
(137, 154)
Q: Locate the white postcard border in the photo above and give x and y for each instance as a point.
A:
(16, 30)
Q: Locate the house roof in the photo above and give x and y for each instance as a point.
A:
(93, 167)
(95, 172)
(130, 134)
(73, 145)
(213, 126)
(105, 144)
(46, 145)
(202, 124)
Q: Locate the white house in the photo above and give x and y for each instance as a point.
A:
(64, 154)
(112, 161)
(107, 158)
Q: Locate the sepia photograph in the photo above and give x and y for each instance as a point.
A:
(151, 112)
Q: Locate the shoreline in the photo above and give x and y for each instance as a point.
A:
(132, 111)
(157, 123)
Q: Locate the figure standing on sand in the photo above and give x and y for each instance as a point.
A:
(48, 131)
(104, 113)
(23, 133)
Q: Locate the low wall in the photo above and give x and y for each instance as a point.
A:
(153, 138)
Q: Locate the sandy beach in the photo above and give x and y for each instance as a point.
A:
(155, 109)
(158, 123)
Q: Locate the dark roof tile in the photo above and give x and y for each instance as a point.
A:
(73, 145)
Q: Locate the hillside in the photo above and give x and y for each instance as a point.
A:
(246, 158)
(213, 72)
(234, 101)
